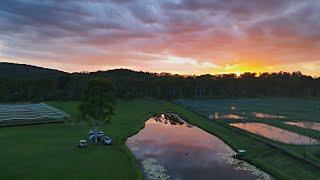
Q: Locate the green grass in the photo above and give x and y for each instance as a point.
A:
(70, 107)
(292, 109)
(276, 162)
(48, 151)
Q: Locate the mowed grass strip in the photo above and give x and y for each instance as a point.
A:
(33, 113)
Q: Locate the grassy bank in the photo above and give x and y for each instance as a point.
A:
(48, 151)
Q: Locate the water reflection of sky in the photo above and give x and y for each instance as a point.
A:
(275, 133)
(186, 152)
(225, 116)
(307, 125)
(218, 115)
(267, 116)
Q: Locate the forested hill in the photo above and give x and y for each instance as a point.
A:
(29, 83)
(123, 73)
(23, 71)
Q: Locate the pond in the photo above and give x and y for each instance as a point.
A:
(173, 149)
(275, 133)
(267, 116)
(225, 116)
(307, 125)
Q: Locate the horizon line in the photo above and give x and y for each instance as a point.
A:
(162, 72)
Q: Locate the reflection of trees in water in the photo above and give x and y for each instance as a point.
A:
(173, 119)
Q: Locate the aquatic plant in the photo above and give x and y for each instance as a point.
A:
(153, 170)
(171, 118)
(244, 166)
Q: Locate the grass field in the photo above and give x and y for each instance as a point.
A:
(48, 151)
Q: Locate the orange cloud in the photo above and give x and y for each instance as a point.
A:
(187, 37)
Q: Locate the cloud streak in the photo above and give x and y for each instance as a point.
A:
(200, 36)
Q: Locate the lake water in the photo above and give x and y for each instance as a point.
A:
(225, 116)
(307, 125)
(171, 150)
(276, 133)
(267, 116)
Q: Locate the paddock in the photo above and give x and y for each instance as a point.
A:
(27, 114)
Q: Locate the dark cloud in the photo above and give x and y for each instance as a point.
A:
(207, 30)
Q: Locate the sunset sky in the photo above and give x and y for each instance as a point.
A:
(176, 36)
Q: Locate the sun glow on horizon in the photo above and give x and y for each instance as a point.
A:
(163, 36)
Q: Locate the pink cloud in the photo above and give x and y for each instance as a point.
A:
(256, 36)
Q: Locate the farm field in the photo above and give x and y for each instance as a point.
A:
(273, 112)
(22, 114)
(276, 112)
(254, 109)
(276, 134)
(48, 151)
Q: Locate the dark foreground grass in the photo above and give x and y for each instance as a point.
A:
(48, 151)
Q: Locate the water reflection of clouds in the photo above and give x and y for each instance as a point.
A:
(169, 142)
(267, 116)
(225, 116)
(185, 151)
(275, 133)
(307, 125)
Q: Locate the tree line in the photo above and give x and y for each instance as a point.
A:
(129, 84)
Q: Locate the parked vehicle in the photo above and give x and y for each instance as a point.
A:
(96, 136)
(107, 140)
(82, 144)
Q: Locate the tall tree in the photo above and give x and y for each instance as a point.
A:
(128, 96)
(98, 101)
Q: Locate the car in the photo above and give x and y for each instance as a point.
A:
(82, 144)
(107, 140)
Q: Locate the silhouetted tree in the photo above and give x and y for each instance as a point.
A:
(29, 83)
(98, 101)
